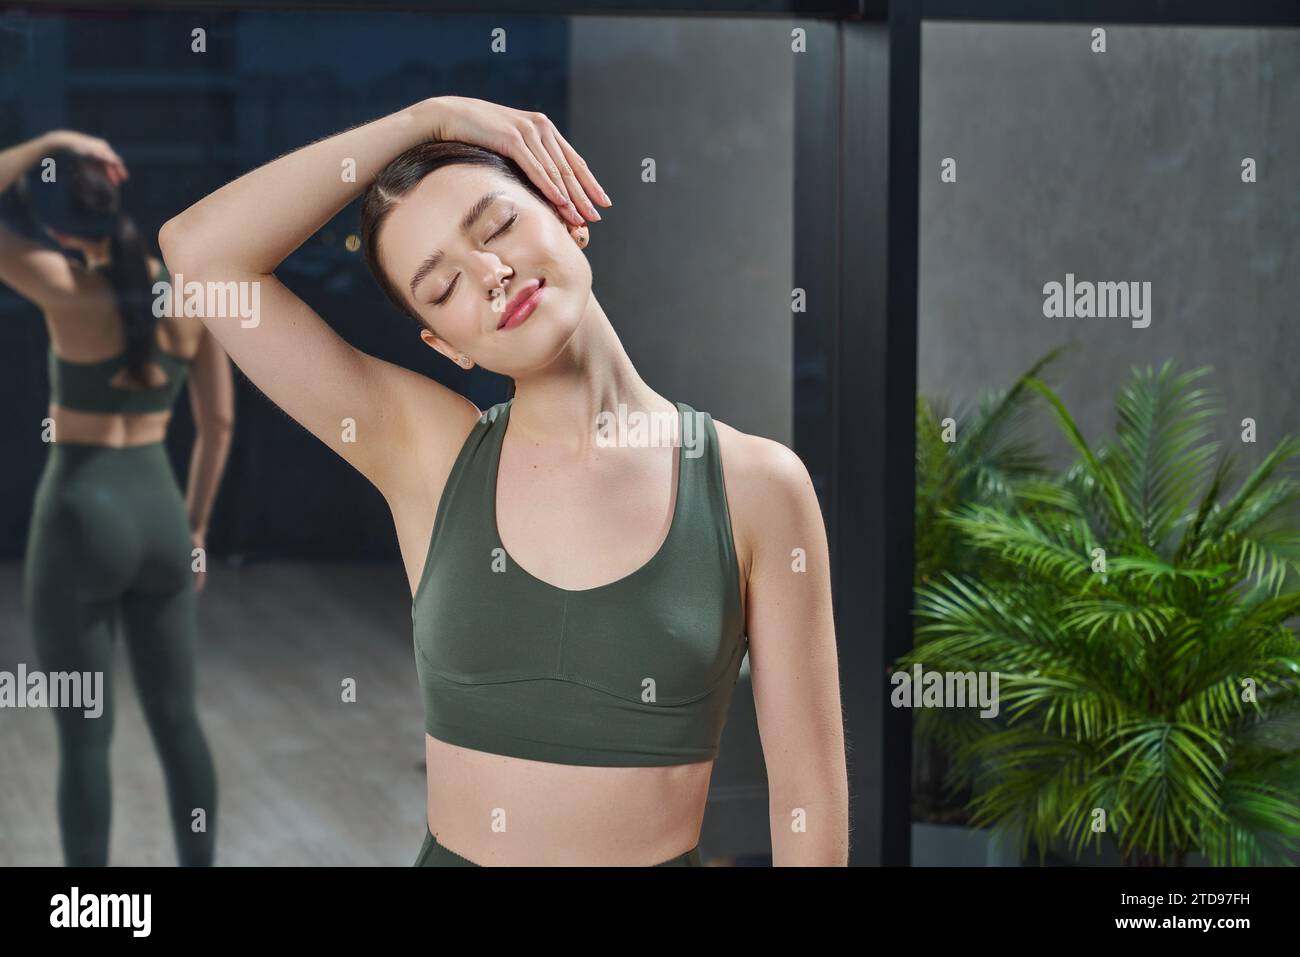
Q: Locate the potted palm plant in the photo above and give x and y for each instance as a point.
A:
(1136, 614)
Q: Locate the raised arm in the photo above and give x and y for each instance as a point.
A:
(358, 405)
(362, 407)
(40, 274)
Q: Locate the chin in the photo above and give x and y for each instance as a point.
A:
(546, 343)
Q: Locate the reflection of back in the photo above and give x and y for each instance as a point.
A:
(109, 546)
(107, 387)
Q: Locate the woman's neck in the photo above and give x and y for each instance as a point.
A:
(97, 254)
(593, 374)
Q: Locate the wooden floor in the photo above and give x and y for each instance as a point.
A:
(303, 778)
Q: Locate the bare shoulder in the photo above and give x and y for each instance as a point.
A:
(768, 486)
(758, 459)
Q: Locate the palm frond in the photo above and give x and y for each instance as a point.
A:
(986, 431)
(1113, 495)
(1019, 539)
(1209, 502)
(1222, 518)
(1263, 817)
(1159, 452)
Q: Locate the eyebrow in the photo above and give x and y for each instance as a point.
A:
(466, 224)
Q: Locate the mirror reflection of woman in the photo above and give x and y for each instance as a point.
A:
(580, 611)
(112, 542)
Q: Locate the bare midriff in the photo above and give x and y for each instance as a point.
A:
(113, 429)
(511, 812)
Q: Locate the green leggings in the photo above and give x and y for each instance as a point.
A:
(109, 547)
(433, 854)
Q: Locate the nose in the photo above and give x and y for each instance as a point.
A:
(496, 276)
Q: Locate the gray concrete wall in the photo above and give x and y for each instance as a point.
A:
(1123, 165)
(694, 270)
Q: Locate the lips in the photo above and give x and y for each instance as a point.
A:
(521, 304)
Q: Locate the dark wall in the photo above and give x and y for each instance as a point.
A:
(186, 123)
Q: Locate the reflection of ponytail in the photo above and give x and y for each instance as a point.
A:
(88, 204)
(128, 274)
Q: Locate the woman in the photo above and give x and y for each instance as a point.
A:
(580, 609)
(111, 539)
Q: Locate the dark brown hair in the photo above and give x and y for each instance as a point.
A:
(406, 172)
(84, 202)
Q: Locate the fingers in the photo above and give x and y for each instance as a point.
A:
(576, 191)
(116, 167)
(532, 141)
(113, 164)
(116, 172)
(541, 158)
(522, 153)
(584, 173)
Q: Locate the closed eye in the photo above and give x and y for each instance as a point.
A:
(455, 282)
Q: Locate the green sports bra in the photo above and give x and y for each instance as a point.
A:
(87, 386)
(636, 672)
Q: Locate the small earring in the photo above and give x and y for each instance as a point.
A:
(463, 361)
(580, 236)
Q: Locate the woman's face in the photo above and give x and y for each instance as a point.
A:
(462, 278)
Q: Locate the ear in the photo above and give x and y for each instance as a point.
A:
(441, 345)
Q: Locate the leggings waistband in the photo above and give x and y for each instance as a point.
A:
(433, 854)
(106, 462)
